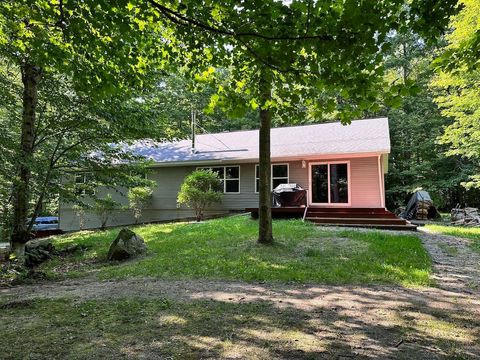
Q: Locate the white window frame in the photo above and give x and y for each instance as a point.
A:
(349, 185)
(84, 181)
(257, 166)
(225, 176)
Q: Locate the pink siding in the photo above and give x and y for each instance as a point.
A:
(365, 181)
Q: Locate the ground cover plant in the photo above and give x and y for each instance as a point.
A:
(472, 233)
(226, 249)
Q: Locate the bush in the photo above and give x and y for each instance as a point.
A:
(104, 208)
(199, 190)
(138, 197)
(80, 211)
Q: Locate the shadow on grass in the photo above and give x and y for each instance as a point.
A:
(333, 322)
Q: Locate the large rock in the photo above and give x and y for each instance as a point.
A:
(38, 251)
(126, 245)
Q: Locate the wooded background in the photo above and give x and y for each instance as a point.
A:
(93, 94)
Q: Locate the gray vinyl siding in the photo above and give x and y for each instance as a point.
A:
(163, 204)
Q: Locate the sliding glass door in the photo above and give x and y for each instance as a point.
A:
(329, 183)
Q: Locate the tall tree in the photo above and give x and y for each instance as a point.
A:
(417, 159)
(103, 47)
(69, 129)
(177, 95)
(457, 86)
(281, 53)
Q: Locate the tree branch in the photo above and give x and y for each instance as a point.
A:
(182, 20)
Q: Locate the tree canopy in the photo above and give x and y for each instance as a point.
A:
(457, 85)
(275, 58)
(417, 159)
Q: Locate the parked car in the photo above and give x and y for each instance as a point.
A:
(45, 226)
(44, 223)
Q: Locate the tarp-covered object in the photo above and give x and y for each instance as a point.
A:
(288, 195)
(420, 207)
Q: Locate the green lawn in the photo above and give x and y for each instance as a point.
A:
(227, 249)
(472, 233)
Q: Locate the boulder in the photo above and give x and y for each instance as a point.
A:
(126, 245)
(37, 251)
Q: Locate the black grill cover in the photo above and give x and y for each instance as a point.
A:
(289, 195)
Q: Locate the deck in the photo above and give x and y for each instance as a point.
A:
(376, 218)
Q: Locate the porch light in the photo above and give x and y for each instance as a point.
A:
(304, 164)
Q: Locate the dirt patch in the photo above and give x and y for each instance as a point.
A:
(16, 304)
(304, 321)
(219, 319)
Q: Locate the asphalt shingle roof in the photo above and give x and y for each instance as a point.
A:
(361, 136)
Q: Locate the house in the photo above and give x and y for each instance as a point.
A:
(340, 166)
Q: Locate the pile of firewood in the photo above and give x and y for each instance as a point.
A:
(467, 216)
(422, 210)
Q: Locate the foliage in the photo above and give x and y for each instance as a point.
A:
(457, 86)
(70, 128)
(199, 190)
(103, 48)
(99, 48)
(281, 57)
(177, 95)
(104, 208)
(417, 160)
(138, 198)
(225, 249)
(80, 211)
(317, 54)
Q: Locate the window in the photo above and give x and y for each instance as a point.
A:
(229, 177)
(329, 183)
(338, 183)
(279, 176)
(82, 181)
(141, 175)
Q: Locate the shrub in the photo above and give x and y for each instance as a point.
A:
(80, 212)
(104, 208)
(138, 198)
(199, 190)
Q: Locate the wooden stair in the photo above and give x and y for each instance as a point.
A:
(357, 217)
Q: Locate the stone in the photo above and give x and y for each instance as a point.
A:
(38, 251)
(126, 245)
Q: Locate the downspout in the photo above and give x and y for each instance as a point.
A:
(380, 181)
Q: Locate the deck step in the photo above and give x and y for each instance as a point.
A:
(350, 215)
(375, 218)
(349, 210)
(407, 227)
(335, 220)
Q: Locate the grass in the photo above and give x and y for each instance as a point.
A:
(165, 329)
(227, 249)
(472, 233)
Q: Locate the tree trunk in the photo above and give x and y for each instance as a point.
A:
(265, 196)
(31, 76)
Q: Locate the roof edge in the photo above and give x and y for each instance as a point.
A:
(278, 158)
